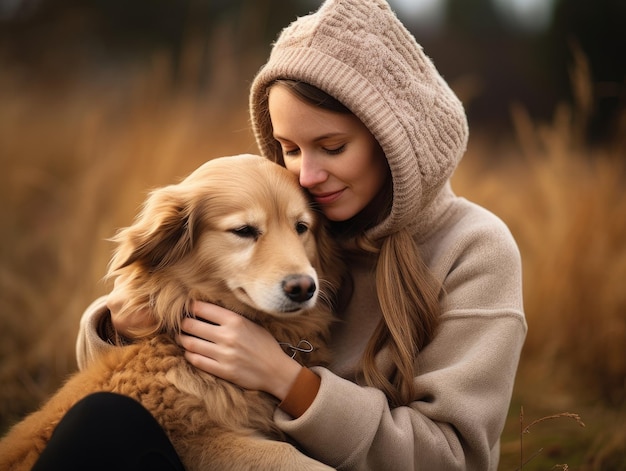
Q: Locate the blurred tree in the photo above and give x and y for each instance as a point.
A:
(597, 28)
(502, 65)
(489, 63)
(214, 41)
(59, 34)
(477, 18)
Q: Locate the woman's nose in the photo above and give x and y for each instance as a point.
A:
(311, 172)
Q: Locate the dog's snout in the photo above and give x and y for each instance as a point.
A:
(299, 288)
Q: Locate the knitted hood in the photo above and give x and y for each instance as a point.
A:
(360, 53)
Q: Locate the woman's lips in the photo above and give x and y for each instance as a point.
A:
(327, 198)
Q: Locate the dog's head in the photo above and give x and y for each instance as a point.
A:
(239, 231)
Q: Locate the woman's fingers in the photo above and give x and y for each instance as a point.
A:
(210, 347)
(212, 313)
(230, 346)
(199, 328)
(200, 353)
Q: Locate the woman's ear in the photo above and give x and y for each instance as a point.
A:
(161, 234)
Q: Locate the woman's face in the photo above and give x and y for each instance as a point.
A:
(333, 154)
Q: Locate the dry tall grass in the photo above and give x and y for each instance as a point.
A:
(565, 203)
(566, 207)
(77, 161)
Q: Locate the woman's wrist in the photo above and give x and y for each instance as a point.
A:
(284, 377)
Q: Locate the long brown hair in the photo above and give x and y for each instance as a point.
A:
(407, 291)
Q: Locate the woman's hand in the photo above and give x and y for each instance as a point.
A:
(124, 324)
(236, 349)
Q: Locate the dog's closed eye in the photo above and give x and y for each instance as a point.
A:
(247, 232)
(251, 232)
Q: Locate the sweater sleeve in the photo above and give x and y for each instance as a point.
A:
(90, 343)
(464, 377)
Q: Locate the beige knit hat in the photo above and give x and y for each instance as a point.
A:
(360, 53)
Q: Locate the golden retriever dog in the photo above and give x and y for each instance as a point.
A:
(238, 232)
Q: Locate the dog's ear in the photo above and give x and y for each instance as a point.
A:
(161, 234)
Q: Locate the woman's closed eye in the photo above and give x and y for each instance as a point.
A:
(335, 150)
(291, 152)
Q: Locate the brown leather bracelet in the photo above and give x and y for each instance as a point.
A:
(302, 393)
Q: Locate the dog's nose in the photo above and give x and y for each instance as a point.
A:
(299, 288)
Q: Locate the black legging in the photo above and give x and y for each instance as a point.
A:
(107, 431)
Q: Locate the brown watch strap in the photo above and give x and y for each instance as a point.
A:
(302, 393)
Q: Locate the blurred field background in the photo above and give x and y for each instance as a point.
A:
(102, 100)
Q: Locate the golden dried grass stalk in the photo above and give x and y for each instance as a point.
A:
(524, 429)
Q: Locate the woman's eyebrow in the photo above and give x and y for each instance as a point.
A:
(278, 137)
(329, 135)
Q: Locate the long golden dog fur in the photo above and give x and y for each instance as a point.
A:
(238, 232)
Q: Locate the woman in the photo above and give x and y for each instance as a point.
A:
(427, 348)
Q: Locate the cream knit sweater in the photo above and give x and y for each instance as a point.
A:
(359, 52)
